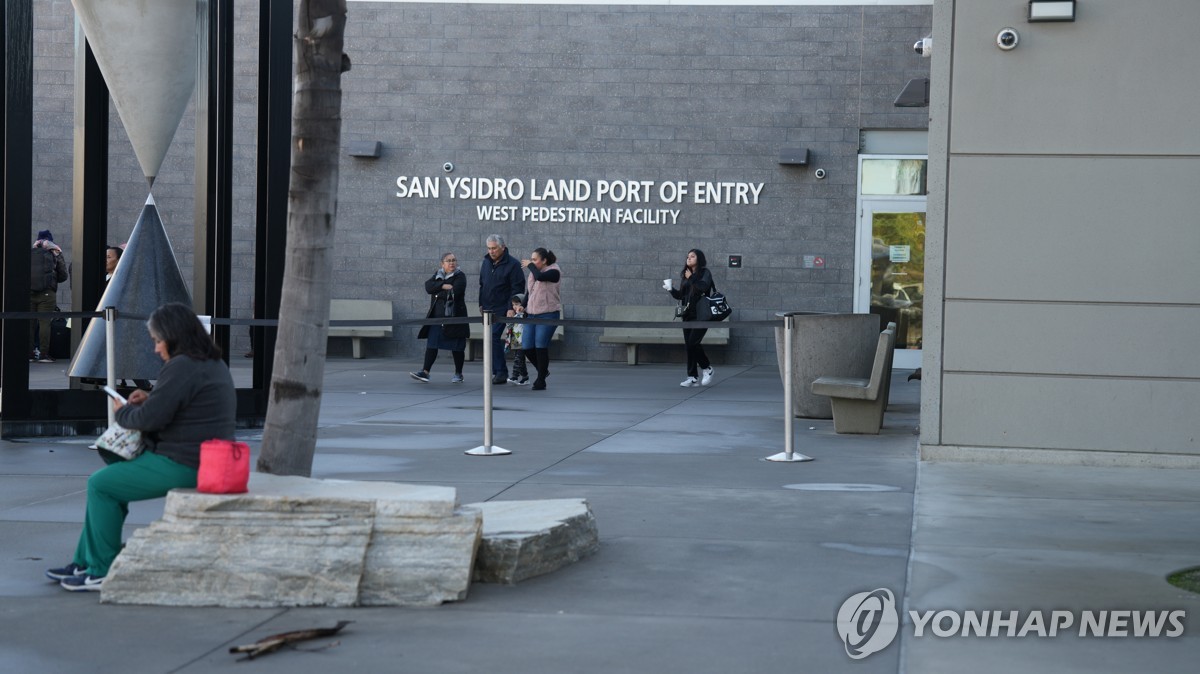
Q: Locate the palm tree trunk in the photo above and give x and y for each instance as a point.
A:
(290, 433)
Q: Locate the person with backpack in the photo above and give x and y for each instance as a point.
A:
(47, 269)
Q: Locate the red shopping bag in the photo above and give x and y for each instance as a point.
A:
(224, 467)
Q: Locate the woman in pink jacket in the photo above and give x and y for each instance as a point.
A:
(542, 301)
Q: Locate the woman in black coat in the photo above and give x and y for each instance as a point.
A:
(694, 281)
(447, 297)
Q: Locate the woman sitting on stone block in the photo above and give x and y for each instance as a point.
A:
(192, 401)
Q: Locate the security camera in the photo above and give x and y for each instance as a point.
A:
(820, 174)
(1007, 38)
(924, 47)
(448, 167)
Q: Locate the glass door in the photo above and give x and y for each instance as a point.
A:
(890, 270)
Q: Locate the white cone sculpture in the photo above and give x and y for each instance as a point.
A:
(147, 277)
(146, 50)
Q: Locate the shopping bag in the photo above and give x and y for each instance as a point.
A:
(224, 467)
(121, 441)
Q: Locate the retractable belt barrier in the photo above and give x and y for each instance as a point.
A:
(486, 449)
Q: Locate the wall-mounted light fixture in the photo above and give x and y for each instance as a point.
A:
(794, 156)
(1051, 10)
(369, 149)
(914, 95)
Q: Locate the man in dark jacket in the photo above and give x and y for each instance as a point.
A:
(500, 277)
(47, 269)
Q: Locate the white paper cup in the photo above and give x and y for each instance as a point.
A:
(666, 284)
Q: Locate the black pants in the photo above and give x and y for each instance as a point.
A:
(696, 358)
(42, 301)
(518, 367)
(431, 356)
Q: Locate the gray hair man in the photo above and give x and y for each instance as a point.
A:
(500, 277)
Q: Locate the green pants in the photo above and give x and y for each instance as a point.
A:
(109, 492)
(45, 302)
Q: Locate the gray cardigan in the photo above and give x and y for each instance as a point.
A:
(192, 401)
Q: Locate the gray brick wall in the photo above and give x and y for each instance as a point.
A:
(658, 93)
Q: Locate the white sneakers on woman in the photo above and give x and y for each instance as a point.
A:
(705, 379)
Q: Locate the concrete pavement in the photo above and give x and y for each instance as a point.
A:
(711, 559)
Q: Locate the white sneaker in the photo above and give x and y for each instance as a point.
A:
(706, 376)
(690, 381)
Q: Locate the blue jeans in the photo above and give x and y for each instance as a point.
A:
(538, 336)
(499, 364)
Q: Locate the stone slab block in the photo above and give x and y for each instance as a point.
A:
(293, 541)
(420, 563)
(523, 539)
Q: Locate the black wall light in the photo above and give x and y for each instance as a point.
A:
(370, 149)
(915, 94)
(794, 156)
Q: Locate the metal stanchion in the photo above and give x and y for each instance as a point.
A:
(788, 455)
(110, 350)
(486, 449)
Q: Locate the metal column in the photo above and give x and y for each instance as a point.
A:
(17, 26)
(89, 201)
(213, 222)
(274, 166)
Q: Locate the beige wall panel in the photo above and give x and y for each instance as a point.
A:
(1092, 339)
(1127, 415)
(1070, 229)
(1109, 83)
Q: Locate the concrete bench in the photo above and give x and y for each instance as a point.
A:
(858, 404)
(360, 310)
(634, 337)
(477, 336)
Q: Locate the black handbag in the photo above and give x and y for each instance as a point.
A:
(447, 308)
(713, 306)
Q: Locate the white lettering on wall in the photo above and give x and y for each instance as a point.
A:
(423, 188)
(641, 194)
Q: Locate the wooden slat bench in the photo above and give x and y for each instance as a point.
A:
(858, 404)
(632, 338)
(360, 310)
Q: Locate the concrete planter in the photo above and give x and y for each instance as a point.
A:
(826, 345)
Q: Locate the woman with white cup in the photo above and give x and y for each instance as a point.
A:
(694, 281)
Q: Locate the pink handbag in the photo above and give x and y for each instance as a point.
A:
(224, 467)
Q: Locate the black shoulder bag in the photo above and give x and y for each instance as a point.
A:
(713, 306)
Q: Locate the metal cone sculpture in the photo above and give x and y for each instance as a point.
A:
(147, 276)
(146, 50)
